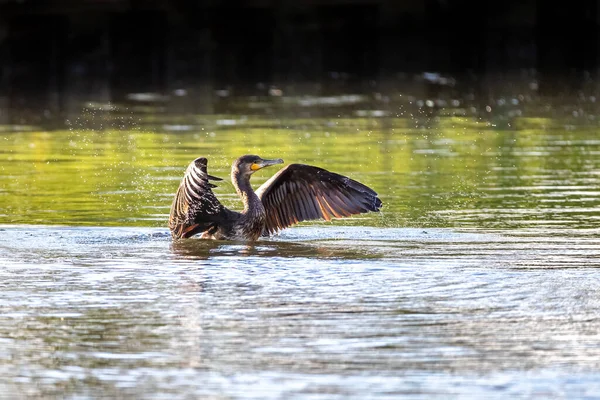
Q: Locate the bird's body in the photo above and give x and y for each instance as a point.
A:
(296, 193)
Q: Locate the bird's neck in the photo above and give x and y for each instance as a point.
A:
(252, 204)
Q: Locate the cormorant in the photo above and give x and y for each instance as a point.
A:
(296, 193)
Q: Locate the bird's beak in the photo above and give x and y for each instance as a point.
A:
(265, 163)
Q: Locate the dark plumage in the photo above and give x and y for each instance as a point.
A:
(296, 193)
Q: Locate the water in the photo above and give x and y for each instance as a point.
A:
(478, 280)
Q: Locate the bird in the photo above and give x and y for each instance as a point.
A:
(296, 193)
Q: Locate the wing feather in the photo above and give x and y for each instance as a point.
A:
(310, 205)
(301, 205)
(195, 207)
(301, 192)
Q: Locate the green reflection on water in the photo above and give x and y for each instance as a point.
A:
(456, 173)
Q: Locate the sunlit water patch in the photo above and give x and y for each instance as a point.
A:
(451, 175)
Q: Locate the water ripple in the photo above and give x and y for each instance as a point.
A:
(317, 311)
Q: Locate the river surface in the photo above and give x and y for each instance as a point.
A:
(480, 278)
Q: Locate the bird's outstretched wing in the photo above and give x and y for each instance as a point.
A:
(195, 208)
(302, 192)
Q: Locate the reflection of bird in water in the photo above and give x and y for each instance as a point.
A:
(193, 249)
(296, 193)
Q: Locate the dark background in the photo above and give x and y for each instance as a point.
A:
(56, 54)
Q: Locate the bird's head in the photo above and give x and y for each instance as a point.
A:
(249, 164)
